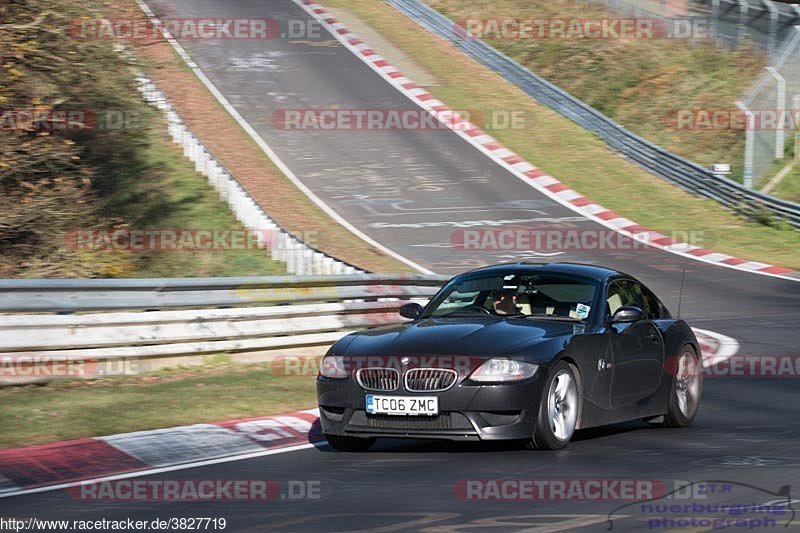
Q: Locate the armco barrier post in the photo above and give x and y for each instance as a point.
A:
(327, 266)
(210, 164)
(298, 258)
(200, 160)
(278, 247)
(224, 186)
(180, 133)
(316, 260)
(289, 256)
(186, 140)
(308, 258)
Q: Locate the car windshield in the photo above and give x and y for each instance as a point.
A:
(543, 296)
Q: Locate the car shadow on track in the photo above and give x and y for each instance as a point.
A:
(395, 445)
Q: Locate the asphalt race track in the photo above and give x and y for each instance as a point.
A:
(409, 190)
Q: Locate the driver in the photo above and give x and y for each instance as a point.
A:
(505, 302)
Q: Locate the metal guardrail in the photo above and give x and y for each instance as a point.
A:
(686, 174)
(98, 328)
(80, 295)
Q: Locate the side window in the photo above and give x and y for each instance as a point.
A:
(654, 307)
(643, 302)
(626, 292)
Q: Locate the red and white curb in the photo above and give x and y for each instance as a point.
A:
(60, 465)
(715, 347)
(522, 169)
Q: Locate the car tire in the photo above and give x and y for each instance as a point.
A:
(687, 388)
(349, 444)
(561, 400)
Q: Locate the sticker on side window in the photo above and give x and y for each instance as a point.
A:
(582, 311)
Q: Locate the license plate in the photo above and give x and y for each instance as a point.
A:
(403, 405)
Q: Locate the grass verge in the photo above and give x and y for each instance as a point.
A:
(571, 154)
(789, 187)
(75, 409)
(165, 192)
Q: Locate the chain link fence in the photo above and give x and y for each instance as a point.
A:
(768, 109)
(764, 23)
(775, 94)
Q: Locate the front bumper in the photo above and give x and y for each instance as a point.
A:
(466, 411)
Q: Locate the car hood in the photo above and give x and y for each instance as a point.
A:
(474, 337)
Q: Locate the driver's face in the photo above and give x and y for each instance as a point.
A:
(506, 303)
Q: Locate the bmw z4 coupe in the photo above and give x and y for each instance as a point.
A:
(523, 351)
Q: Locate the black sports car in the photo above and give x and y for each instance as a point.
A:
(522, 351)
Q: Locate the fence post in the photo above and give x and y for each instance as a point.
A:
(773, 26)
(780, 108)
(749, 145)
(715, 18)
(744, 7)
(795, 115)
(797, 146)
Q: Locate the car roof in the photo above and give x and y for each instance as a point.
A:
(599, 273)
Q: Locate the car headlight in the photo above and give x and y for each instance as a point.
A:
(333, 366)
(504, 370)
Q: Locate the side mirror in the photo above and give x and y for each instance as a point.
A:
(411, 310)
(627, 313)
